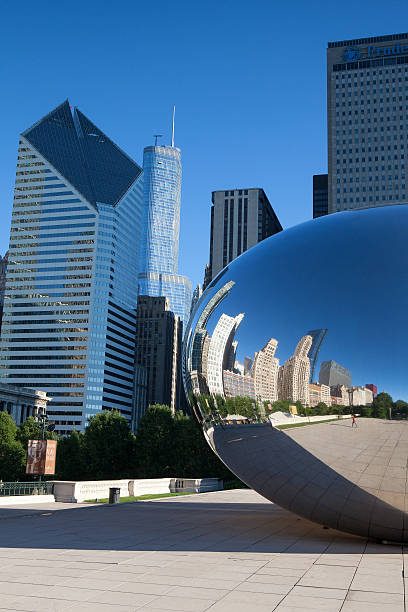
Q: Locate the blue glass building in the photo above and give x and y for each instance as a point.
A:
(159, 249)
(71, 287)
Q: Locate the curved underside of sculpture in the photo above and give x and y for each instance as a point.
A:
(351, 479)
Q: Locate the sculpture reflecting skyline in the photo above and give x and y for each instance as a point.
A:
(265, 337)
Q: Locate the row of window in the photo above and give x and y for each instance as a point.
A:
(394, 198)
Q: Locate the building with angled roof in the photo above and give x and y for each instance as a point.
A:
(71, 287)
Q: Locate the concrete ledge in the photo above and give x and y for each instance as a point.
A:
(15, 500)
(79, 491)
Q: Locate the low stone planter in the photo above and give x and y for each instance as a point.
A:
(15, 500)
(79, 491)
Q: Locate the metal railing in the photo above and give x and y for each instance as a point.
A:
(25, 488)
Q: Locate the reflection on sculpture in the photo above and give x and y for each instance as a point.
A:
(265, 329)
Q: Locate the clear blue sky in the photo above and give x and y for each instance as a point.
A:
(248, 80)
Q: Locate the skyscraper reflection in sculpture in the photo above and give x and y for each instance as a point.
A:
(218, 374)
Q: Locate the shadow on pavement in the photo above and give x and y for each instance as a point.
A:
(173, 526)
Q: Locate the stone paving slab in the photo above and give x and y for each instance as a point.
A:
(227, 551)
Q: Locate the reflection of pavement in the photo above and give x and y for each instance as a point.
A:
(227, 551)
(348, 478)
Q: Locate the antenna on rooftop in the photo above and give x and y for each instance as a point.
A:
(156, 136)
(172, 131)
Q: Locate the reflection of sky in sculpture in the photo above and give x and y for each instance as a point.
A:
(346, 273)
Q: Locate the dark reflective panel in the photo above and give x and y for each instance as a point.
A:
(308, 326)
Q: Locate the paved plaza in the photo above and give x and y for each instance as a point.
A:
(227, 551)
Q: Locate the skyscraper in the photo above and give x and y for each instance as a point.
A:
(318, 335)
(367, 102)
(71, 288)
(332, 374)
(158, 349)
(320, 195)
(3, 270)
(265, 370)
(295, 373)
(219, 351)
(372, 388)
(240, 218)
(159, 253)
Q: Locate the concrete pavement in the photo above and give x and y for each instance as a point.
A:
(227, 551)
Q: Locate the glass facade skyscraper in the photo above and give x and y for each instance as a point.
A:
(367, 119)
(159, 248)
(71, 288)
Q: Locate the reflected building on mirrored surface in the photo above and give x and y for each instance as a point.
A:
(295, 373)
(318, 336)
(340, 395)
(332, 373)
(219, 351)
(319, 393)
(265, 369)
(236, 384)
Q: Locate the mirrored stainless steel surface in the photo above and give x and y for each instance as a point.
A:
(304, 328)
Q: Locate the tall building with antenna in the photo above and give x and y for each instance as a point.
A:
(162, 190)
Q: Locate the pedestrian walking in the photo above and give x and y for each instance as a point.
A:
(353, 421)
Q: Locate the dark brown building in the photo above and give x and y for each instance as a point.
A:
(158, 349)
(240, 218)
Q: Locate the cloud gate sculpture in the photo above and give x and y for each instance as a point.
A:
(305, 329)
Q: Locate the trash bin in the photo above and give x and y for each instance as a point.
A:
(114, 495)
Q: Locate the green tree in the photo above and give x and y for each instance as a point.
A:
(170, 446)
(12, 454)
(194, 458)
(222, 408)
(70, 464)
(382, 406)
(401, 409)
(109, 447)
(280, 406)
(365, 411)
(155, 444)
(29, 430)
(321, 409)
(301, 410)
